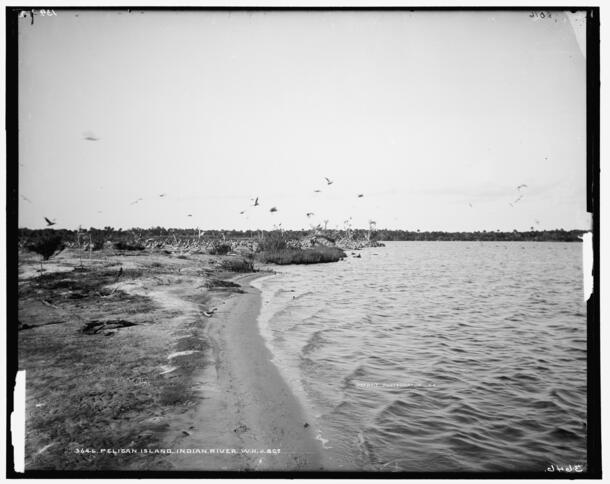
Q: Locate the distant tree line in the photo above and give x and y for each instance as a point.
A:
(98, 236)
(556, 235)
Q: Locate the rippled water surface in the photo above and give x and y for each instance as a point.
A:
(437, 356)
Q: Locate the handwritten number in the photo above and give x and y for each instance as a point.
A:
(540, 14)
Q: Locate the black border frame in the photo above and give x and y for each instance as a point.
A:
(594, 469)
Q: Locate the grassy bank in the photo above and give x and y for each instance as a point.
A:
(314, 255)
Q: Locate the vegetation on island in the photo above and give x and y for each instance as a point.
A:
(272, 240)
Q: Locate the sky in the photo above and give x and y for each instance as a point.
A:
(181, 119)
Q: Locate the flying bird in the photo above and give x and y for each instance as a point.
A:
(242, 212)
(189, 215)
(521, 186)
(360, 195)
(89, 136)
(26, 198)
(329, 181)
(273, 209)
(317, 191)
(255, 202)
(135, 201)
(162, 195)
(49, 222)
(309, 214)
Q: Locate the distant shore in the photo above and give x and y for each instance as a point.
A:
(158, 237)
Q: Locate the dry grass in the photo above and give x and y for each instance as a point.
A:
(104, 390)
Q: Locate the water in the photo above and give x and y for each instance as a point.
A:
(437, 356)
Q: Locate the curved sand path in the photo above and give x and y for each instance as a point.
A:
(243, 402)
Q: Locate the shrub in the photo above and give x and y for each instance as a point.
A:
(125, 246)
(99, 237)
(220, 249)
(272, 242)
(315, 255)
(47, 246)
(238, 265)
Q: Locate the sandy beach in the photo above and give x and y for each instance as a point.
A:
(160, 368)
(252, 408)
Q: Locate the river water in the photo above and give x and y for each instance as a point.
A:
(437, 356)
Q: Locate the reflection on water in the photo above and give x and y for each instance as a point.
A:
(437, 356)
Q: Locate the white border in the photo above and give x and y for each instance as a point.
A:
(604, 21)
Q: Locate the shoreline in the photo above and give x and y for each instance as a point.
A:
(249, 404)
(265, 400)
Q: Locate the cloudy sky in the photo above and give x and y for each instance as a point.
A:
(435, 117)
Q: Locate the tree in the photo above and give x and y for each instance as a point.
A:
(47, 247)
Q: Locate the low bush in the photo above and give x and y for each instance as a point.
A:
(220, 249)
(315, 255)
(126, 246)
(272, 242)
(47, 246)
(237, 265)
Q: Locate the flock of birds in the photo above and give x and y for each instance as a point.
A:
(90, 136)
(274, 209)
(256, 203)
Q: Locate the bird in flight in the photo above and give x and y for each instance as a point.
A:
(162, 195)
(49, 222)
(273, 209)
(521, 186)
(190, 215)
(329, 181)
(360, 195)
(242, 212)
(309, 214)
(317, 191)
(255, 202)
(26, 198)
(135, 201)
(89, 136)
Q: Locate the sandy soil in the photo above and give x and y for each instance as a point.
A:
(192, 372)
